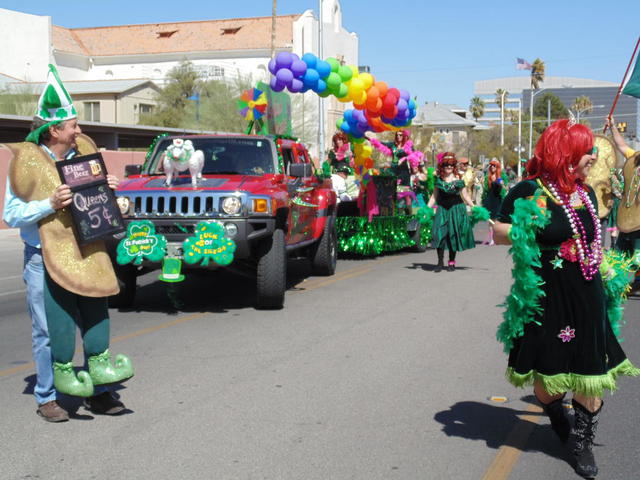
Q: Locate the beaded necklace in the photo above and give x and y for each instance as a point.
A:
(589, 256)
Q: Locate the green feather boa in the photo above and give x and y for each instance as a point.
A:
(522, 303)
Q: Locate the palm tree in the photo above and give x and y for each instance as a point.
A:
(581, 105)
(477, 107)
(537, 73)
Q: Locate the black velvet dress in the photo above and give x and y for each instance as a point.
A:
(573, 347)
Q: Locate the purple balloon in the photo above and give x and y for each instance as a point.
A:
(296, 85)
(283, 60)
(294, 57)
(405, 95)
(272, 66)
(402, 105)
(299, 68)
(284, 76)
(310, 59)
(275, 85)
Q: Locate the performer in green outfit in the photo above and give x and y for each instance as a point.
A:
(557, 328)
(77, 279)
(451, 225)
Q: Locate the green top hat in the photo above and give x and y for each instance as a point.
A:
(54, 106)
(171, 270)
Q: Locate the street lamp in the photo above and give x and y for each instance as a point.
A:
(533, 94)
(502, 127)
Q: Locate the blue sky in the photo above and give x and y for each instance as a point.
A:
(434, 49)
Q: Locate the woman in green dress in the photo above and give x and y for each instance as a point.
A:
(557, 328)
(451, 225)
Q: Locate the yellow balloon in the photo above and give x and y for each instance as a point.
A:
(367, 151)
(359, 160)
(356, 87)
(367, 79)
(354, 71)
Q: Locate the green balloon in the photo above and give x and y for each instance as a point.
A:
(339, 122)
(333, 81)
(325, 93)
(345, 73)
(343, 91)
(335, 65)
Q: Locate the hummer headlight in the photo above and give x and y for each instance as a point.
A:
(231, 205)
(124, 204)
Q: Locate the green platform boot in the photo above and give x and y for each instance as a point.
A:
(65, 380)
(103, 373)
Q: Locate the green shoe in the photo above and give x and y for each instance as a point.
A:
(65, 381)
(103, 373)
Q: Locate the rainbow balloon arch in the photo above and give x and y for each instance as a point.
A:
(377, 108)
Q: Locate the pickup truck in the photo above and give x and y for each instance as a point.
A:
(261, 189)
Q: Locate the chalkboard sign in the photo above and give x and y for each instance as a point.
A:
(386, 190)
(95, 213)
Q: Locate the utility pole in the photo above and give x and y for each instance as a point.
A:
(273, 28)
(520, 139)
(502, 128)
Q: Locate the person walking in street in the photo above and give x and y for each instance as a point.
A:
(492, 193)
(71, 282)
(556, 328)
(451, 224)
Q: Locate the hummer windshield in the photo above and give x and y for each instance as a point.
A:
(226, 155)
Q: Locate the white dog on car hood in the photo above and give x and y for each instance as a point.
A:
(181, 156)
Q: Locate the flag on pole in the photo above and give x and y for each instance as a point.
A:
(633, 84)
(522, 64)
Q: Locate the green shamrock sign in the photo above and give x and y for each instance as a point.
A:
(209, 243)
(141, 242)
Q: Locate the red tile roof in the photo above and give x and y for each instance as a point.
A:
(208, 35)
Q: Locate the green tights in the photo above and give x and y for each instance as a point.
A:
(66, 311)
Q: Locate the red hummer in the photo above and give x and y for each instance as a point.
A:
(262, 189)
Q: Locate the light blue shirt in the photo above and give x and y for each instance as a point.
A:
(25, 215)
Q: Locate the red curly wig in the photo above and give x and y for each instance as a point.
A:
(339, 135)
(560, 147)
(492, 177)
(447, 158)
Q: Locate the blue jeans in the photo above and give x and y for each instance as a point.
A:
(33, 276)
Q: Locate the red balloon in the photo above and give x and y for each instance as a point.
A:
(359, 106)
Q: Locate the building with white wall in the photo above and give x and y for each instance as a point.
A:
(220, 49)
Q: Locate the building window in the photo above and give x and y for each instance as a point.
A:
(145, 108)
(92, 111)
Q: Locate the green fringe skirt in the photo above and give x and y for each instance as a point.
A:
(453, 224)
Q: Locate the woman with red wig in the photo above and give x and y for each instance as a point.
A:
(340, 155)
(403, 156)
(451, 225)
(493, 192)
(557, 327)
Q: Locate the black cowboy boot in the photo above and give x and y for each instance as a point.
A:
(559, 421)
(581, 440)
(440, 264)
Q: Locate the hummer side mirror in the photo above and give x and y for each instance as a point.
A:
(130, 170)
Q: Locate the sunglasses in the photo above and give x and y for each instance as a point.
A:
(593, 151)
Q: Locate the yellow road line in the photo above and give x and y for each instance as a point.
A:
(353, 272)
(516, 441)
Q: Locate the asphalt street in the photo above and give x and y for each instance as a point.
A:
(384, 371)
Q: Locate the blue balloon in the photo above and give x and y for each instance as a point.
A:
(345, 127)
(311, 78)
(310, 59)
(321, 87)
(348, 116)
(323, 68)
(412, 104)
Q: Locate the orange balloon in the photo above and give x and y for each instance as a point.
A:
(382, 88)
(368, 163)
(373, 93)
(359, 106)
